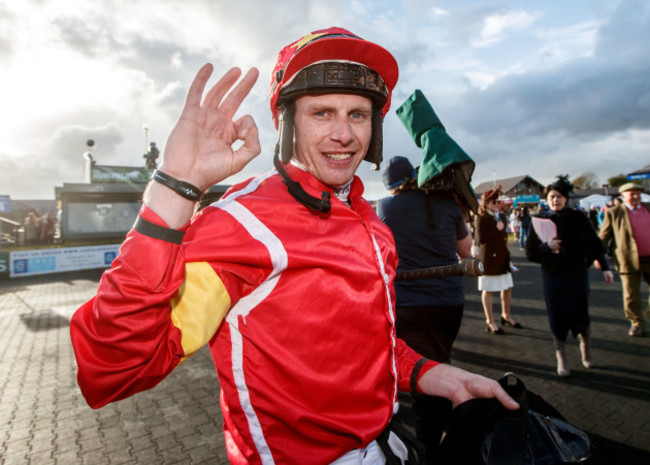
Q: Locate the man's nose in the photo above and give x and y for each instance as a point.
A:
(342, 130)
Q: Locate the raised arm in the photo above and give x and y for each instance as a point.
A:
(199, 149)
(152, 309)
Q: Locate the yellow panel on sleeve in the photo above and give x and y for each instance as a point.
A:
(199, 307)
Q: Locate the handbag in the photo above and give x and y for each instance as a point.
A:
(483, 432)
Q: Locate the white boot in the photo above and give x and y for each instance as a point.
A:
(562, 363)
(585, 348)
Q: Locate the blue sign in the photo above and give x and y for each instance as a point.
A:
(5, 204)
(632, 177)
(34, 265)
(528, 198)
(109, 257)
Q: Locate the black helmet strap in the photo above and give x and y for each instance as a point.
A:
(284, 149)
(322, 205)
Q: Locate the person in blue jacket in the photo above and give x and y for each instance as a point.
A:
(429, 230)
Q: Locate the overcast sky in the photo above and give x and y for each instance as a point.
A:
(536, 87)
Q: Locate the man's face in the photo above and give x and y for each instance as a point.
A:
(632, 198)
(332, 135)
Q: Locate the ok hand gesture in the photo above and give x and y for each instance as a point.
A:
(199, 149)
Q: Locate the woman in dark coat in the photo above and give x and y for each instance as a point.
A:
(565, 261)
(492, 239)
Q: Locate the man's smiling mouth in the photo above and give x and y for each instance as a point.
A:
(338, 156)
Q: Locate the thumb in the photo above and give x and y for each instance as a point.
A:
(248, 133)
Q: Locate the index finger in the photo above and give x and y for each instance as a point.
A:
(198, 85)
(505, 399)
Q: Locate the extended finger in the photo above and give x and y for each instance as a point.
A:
(198, 85)
(234, 99)
(215, 94)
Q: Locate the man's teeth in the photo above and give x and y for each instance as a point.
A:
(338, 156)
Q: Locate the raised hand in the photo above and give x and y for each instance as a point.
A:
(199, 149)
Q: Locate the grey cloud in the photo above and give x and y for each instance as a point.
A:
(64, 151)
(590, 96)
(155, 59)
(624, 39)
(35, 174)
(574, 99)
(89, 35)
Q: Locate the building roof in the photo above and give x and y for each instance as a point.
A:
(610, 191)
(506, 184)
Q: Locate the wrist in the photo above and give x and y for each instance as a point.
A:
(182, 188)
(173, 209)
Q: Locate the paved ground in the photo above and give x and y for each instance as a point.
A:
(46, 421)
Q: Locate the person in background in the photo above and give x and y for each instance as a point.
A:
(492, 240)
(626, 229)
(288, 277)
(601, 214)
(565, 260)
(515, 223)
(32, 228)
(593, 216)
(429, 230)
(47, 228)
(524, 229)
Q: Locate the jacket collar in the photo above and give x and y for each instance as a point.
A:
(314, 187)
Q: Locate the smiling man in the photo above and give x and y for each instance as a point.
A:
(288, 278)
(332, 135)
(626, 230)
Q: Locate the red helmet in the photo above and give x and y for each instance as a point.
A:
(334, 44)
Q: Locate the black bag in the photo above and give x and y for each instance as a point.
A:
(484, 432)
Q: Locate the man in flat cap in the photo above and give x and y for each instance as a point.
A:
(626, 230)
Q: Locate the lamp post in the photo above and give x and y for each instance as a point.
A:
(88, 161)
(146, 137)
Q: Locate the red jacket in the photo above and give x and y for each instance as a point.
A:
(307, 357)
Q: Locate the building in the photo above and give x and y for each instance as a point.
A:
(517, 190)
(107, 210)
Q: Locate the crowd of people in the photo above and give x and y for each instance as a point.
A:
(290, 278)
(579, 238)
(40, 229)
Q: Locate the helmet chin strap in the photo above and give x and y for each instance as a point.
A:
(285, 148)
(322, 205)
